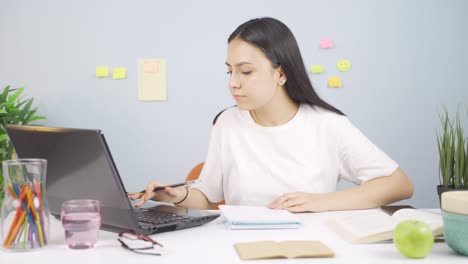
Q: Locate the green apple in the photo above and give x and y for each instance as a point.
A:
(413, 238)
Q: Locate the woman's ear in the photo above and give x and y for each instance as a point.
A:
(281, 76)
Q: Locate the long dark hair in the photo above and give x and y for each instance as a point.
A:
(277, 42)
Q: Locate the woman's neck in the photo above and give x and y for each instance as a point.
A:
(275, 113)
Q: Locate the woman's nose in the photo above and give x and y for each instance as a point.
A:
(233, 82)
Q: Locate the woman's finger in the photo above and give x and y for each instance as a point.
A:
(285, 197)
(296, 209)
(134, 196)
(278, 202)
(292, 202)
(141, 201)
(149, 194)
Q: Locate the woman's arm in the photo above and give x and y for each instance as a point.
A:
(181, 196)
(374, 193)
(197, 200)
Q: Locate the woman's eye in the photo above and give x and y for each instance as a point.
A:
(244, 72)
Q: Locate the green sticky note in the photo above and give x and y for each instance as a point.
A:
(102, 71)
(317, 69)
(119, 73)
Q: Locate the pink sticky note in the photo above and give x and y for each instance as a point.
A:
(326, 43)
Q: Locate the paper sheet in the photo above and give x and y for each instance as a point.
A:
(152, 80)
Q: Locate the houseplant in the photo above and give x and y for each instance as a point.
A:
(452, 145)
(13, 110)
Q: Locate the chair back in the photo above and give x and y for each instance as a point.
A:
(195, 173)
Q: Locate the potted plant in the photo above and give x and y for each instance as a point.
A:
(453, 154)
(13, 110)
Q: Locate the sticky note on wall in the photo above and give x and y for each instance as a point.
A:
(317, 68)
(326, 43)
(343, 65)
(334, 82)
(102, 71)
(152, 80)
(119, 73)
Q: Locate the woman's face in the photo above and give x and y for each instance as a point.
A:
(253, 82)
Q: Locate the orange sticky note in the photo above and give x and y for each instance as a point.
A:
(334, 82)
(151, 66)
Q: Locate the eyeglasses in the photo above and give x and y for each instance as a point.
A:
(140, 243)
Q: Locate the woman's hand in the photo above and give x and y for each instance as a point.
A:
(371, 194)
(299, 202)
(167, 195)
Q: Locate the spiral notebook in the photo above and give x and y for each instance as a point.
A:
(257, 217)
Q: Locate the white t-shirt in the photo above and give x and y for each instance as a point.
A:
(248, 164)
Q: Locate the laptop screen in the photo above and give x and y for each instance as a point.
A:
(79, 166)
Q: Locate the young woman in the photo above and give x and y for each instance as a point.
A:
(282, 146)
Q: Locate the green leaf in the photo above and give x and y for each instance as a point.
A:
(3, 137)
(459, 153)
(25, 111)
(11, 100)
(465, 180)
(4, 94)
(35, 118)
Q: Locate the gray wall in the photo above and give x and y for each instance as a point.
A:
(408, 59)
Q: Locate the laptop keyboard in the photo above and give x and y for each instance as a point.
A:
(157, 217)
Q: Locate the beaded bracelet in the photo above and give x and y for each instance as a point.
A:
(185, 197)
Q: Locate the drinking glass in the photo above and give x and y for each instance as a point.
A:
(81, 220)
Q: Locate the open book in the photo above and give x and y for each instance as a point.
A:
(285, 249)
(257, 217)
(369, 226)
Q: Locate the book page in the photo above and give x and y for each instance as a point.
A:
(259, 250)
(285, 249)
(433, 220)
(305, 249)
(366, 223)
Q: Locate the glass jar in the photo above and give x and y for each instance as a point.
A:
(24, 217)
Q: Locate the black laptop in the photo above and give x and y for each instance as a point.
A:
(80, 166)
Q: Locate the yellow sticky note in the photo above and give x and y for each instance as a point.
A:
(119, 73)
(317, 69)
(102, 71)
(343, 65)
(334, 82)
(152, 80)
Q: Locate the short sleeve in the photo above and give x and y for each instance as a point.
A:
(360, 159)
(211, 176)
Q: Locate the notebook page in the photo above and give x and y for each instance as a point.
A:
(433, 220)
(366, 223)
(257, 215)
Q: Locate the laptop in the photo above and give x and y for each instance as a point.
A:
(80, 166)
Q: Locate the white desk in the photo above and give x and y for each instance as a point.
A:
(212, 243)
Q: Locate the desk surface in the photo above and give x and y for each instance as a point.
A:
(212, 243)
